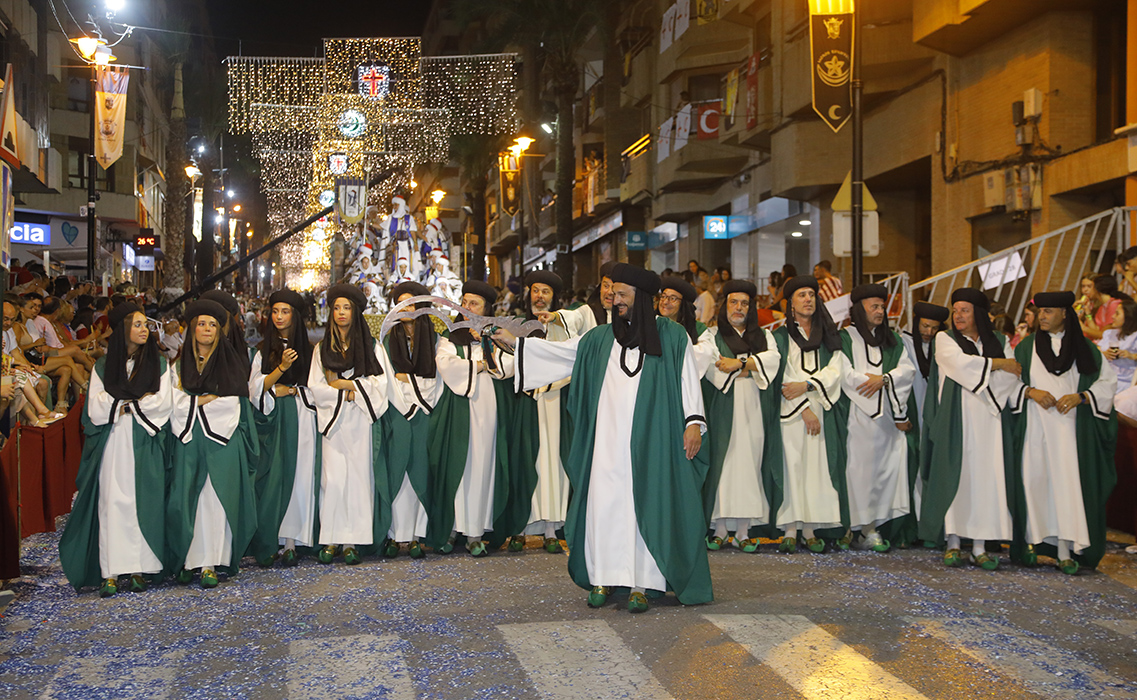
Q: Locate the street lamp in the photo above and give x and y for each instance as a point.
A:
(437, 196)
(95, 52)
(193, 173)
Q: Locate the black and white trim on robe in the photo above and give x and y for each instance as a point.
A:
(624, 362)
(304, 399)
(335, 413)
(1020, 400)
(209, 431)
(411, 413)
(899, 410)
(820, 389)
(366, 399)
(797, 409)
(816, 355)
(189, 418)
(142, 417)
(261, 399)
(983, 378)
(761, 368)
(471, 363)
(868, 354)
(1094, 405)
(423, 403)
(519, 359)
(694, 419)
(114, 410)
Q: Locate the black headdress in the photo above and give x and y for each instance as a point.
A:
(462, 336)
(146, 378)
(594, 303)
(991, 345)
(686, 315)
(1074, 347)
(274, 344)
(639, 329)
(881, 336)
(932, 312)
(753, 338)
(236, 337)
(224, 373)
(359, 355)
(420, 361)
(822, 329)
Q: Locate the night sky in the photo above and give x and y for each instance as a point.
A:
(296, 27)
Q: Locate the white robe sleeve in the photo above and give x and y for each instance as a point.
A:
(372, 390)
(219, 418)
(1100, 393)
(459, 375)
(329, 402)
(102, 408)
(1005, 387)
(721, 381)
(541, 362)
(152, 411)
(577, 321)
(898, 386)
(264, 400)
(505, 364)
(706, 351)
(827, 381)
(427, 391)
(692, 392)
(767, 363)
(184, 413)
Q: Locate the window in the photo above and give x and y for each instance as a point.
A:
(77, 165)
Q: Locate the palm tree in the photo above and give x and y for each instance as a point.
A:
(476, 154)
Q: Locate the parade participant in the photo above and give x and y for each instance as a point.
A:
(972, 380)
(1064, 447)
(413, 391)
(117, 524)
(600, 301)
(290, 446)
(349, 383)
(813, 444)
(677, 302)
(879, 467)
(743, 432)
(544, 487)
(929, 319)
(236, 333)
(469, 434)
(211, 514)
(637, 518)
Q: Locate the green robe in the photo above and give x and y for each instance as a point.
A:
(666, 486)
(901, 530)
(719, 409)
(406, 443)
(1097, 442)
(941, 450)
(79, 544)
(231, 469)
(449, 446)
(834, 427)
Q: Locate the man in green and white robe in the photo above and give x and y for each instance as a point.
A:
(1065, 440)
(636, 519)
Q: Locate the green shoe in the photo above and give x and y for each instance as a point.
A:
(714, 544)
(788, 545)
(477, 549)
(637, 603)
(598, 596)
(327, 554)
(184, 577)
(884, 546)
(985, 561)
(267, 561)
(416, 550)
(109, 588)
(1030, 557)
(289, 557)
(137, 584)
(517, 543)
(208, 578)
(391, 549)
(351, 556)
(815, 544)
(876, 543)
(749, 546)
(553, 545)
(1068, 567)
(953, 557)
(449, 547)
(844, 543)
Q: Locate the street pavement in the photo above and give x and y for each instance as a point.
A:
(849, 626)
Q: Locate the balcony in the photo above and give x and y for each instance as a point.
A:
(640, 82)
(704, 46)
(957, 27)
(699, 162)
(637, 186)
(765, 112)
(593, 108)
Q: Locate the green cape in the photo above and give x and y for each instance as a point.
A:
(1097, 441)
(79, 544)
(941, 450)
(231, 469)
(834, 428)
(901, 530)
(719, 409)
(406, 442)
(666, 486)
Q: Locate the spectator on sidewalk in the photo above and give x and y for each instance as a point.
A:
(828, 284)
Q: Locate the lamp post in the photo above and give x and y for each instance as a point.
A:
(857, 177)
(96, 53)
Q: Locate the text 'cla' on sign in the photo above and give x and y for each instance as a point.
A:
(31, 234)
(831, 27)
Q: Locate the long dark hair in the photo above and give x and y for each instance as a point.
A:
(1129, 313)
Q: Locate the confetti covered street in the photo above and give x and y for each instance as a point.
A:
(853, 625)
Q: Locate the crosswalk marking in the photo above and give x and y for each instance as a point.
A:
(1126, 628)
(103, 676)
(1028, 658)
(578, 660)
(812, 661)
(351, 666)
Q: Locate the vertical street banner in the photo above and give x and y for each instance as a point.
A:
(752, 92)
(110, 113)
(707, 11)
(709, 120)
(831, 29)
(7, 215)
(9, 137)
(510, 168)
(731, 94)
(351, 200)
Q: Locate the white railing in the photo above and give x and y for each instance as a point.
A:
(1054, 261)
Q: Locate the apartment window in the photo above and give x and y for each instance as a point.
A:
(1109, 68)
(703, 88)
(78, 92)
(78, 164)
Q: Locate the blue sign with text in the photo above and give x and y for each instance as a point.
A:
(637, 240)
(31, 234)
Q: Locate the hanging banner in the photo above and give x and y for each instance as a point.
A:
(663, 144)
(682, 128)
(708, 11)
(7, 214)
(831, 55)
(731, 94)
(667, 28)
(709, 120)
(752, 92)
(510, 168)
(110, 113)
(351, 200)
(9, 137)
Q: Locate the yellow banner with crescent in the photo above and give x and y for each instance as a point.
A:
(831, 30)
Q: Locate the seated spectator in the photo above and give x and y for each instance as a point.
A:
(1105, 298)
(1119, 343)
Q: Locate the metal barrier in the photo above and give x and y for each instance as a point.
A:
(1013, 274)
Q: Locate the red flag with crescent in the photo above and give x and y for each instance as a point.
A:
(709, 113)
